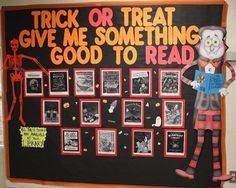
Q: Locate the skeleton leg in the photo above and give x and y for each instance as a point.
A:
(21, 104)
(13, 99)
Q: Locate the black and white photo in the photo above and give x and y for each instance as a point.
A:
(33, 83)
(84, 82)
(173, 113)
(71, 141)
(111, 82)
(51, 112)
(132, 112)
(90, 113)
(140, 82)
(175, 143)
(142, 142)
(106, 142)
(58, 82)
(169, 83)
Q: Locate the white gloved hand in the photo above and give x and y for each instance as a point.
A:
(223, 91)
(195, 84)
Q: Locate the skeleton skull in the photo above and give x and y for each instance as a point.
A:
(14, 45)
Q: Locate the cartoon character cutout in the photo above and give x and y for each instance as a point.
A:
(13, 62)
(210, 86)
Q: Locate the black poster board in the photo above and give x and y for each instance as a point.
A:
(94, 123)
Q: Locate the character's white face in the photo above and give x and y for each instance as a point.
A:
(212, 44)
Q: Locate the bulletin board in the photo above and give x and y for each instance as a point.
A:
(90, 97)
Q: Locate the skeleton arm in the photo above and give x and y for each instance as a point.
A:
(4, 66)
(35, 61)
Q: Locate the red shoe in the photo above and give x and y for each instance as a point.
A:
(184, 174)
(222, 178)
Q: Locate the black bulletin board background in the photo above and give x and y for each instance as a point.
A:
(48, 164)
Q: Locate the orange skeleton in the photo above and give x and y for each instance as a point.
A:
(14, 63)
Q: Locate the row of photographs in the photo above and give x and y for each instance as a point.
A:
(173, 112)
(169, 82)
(142, 142)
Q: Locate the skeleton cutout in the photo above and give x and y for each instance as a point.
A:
(14, 63)
(207, 108)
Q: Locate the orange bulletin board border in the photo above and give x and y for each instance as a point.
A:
(98, 4)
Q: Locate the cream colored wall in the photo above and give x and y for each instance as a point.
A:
(231, 29)
(230, 99)
(231, 131)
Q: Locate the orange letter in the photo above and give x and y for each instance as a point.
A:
(169, 11)
(112, 36)
(86, 57)
(100, 39)
(82, 36)
(69, 50)
(139, 36)
(93, 51)
(56, 59)
(179, 35)
(126, 55)
(58, 19)
(40, 38)
(51, 38)
(118, 50)
(147, 16)
(126, 12)
(149, 31)
(192, 38)
(137, 15)
(126, 37)
(70, 38)
(24, 41)
(72, 18)
(45, 19)
(159, 17)
(36, 18)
